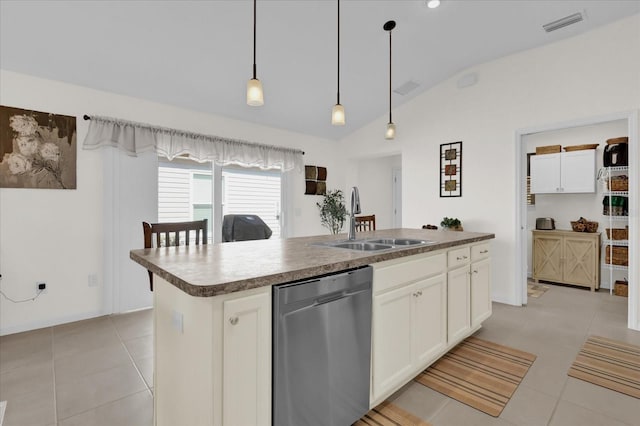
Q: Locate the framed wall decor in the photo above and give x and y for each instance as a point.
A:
(315, 180)
(451, 169)
(37, 149)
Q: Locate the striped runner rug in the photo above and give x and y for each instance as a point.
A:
(388, 414)
(610, 364)
(481, 374)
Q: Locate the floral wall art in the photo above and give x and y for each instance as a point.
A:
(37, 149)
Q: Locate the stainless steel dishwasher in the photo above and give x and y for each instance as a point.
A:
(322, 349)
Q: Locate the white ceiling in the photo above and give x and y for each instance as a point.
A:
(198, 54)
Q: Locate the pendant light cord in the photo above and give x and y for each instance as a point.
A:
(390, 121)
(254, 39)
(338, 51)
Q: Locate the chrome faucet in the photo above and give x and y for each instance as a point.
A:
(355, 209)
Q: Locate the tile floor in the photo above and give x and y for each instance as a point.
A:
(99, 371)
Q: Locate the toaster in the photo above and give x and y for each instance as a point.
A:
(545, 223)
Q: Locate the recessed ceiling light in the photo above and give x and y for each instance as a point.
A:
(432, 4)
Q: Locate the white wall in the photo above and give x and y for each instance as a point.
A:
(61, 237)
(592, 74)
(375, 185)
(567, 207)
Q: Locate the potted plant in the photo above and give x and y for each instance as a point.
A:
(451, 223)
(333, 211)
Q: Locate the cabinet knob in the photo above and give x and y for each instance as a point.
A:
(484, 251)
(461, 257)
(233, 320)
(420, 293)
(475, 272)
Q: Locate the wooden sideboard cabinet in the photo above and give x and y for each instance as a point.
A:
(567, 257)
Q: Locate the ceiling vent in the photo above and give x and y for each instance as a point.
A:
(563, 22)
(406, 88)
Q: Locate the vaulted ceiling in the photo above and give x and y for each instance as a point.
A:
(198, 54)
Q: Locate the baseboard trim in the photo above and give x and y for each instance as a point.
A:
(49, 323)
(504, 300)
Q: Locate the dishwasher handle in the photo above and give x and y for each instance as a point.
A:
(335, 296)
(330, 298)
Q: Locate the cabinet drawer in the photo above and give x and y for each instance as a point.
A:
(458, 257)
(480, 251)
(386, 276)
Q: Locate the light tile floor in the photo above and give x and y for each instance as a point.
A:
(99, 371)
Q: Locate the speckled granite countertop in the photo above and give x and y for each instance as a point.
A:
(215, 269)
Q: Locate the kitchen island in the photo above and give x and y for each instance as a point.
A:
(212, 314)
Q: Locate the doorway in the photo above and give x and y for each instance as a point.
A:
(522, 231)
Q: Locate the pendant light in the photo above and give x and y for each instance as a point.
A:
(337, 113)
(255, 96)
(391, 128)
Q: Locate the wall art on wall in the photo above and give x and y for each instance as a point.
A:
(451, 169)
(37, 149)
(315, 180)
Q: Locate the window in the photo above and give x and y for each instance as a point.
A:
(253, 191)
(186, 188)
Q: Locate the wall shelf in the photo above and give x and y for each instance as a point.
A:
(615, 267)
(617, 168)
(616, 243)
(616, 193)
(616, 218)
(613, 220)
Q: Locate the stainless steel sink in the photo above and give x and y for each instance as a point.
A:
(400, 241)
(362, 246)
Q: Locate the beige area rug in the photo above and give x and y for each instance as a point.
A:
(536, 290)
(388, 414)
(609, 363)
(481, 374)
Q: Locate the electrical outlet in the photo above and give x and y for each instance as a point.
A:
(177, 321)
(41, 287)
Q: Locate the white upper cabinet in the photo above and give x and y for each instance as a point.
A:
(564, 172)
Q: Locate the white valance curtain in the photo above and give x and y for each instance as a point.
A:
(134, 138)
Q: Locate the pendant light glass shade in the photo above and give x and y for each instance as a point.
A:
(255, 96)
(391, 131)
(337, 115)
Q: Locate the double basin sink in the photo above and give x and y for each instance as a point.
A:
(377, 243)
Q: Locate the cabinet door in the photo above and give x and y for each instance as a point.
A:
(458, 306)
(580, 261)
(246, 387)
(578, 171)
(430, 319)
(547, 255)
(392, 335)
(545, 173)
(480, 291)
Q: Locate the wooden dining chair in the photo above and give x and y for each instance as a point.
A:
(366, 223)
(173, 234)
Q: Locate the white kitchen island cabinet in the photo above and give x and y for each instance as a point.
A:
(564, 172)
(213, 316)
(423, 306)
(409, 319)
(480, 283)
(212, 357)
